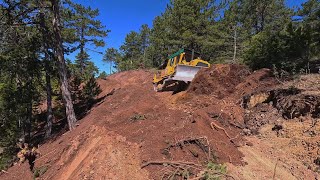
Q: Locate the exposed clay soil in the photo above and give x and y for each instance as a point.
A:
(134, 125)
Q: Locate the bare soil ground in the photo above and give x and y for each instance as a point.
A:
(261, 128)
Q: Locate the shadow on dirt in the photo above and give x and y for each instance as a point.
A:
(59, 126)
(176, 87)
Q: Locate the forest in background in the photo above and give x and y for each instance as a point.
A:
(257, 33)
(35, 36)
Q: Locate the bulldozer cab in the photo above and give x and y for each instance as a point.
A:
(183, 56)
(190, 55)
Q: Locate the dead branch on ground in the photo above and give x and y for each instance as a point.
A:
(216, 126)
(217, 173)
(178, 168)
(205, 147)
(274, 170)
(180, 163)
(4, 171)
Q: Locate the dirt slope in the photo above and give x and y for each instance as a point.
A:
(134, 125)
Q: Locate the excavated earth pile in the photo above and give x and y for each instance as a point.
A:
(136, 133)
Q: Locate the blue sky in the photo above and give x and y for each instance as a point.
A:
(123, 16)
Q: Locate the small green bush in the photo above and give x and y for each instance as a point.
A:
(138, 117)
(39, 171)
(214, 171)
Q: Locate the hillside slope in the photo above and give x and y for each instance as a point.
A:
(134, 125)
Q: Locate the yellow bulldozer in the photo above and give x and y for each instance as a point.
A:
(178, 70)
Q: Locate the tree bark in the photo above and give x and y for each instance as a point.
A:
(110, 67)
(27, 131)
(66, 95)
(44, 32)
(82, 44)
(49, 103)
(235, 44)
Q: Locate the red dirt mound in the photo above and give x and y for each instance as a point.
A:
(257, 81)
(134, 125)
(222, 80)
(218, 80)
(149, 128)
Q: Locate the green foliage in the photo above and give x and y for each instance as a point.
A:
(90, 90)
(39, 171)
(133, 51)
(27, 55)
(83, 67)
(82, 84)
(259, 33)
(290, 47)
(20, 76)
(310, 14)
(112, 56)
(185, 24)
(285, 50)
(83, 28)
(215, 171)
(83, 21)
(5, 160)
(102, 75)
(138, 117)
(258, 16)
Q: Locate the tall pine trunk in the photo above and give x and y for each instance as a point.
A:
(44, 31)
(27, 130)
(66, 95)
(81, 59)
(110, 67)
(49, 103)
(235, 45)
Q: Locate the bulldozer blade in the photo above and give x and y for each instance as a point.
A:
(185, 73)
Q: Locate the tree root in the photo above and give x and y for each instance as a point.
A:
(215, 126)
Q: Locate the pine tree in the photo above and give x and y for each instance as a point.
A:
(87, 30)
(103, 75)
(19, 70)
(185, 24)
(231, 32)
(90, 90)
(159, 47)
(310, 16)
(111, 55)
(47, 66)
(144, 43)
(83, 60)
(257, 16)
(71, 117)
(134, 52)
